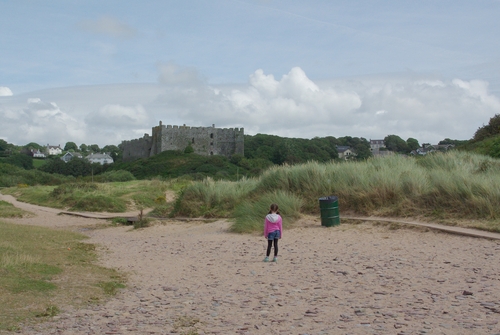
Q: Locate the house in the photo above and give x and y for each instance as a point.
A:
(375, 146)
(443, 147)
(345, 152)
(70, 155)
(428, 148)
(100, 158)
(52, 150)
(36, 153)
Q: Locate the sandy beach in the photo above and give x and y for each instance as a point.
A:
(197, 278)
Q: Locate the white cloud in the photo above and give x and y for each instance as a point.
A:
(110, 26)
(40, 121)
(426, 108)
(117, 116)
(5, 91)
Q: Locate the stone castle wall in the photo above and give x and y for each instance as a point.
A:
(204, 140)
(138, 148)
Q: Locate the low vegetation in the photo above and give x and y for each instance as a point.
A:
(95, 197)
(42, 271)
(7, 210)
(11, 175)
(450, 188)
(443, 187)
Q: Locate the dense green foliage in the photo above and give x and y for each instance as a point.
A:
(71, 146)
(396, 144)
(282, 150)
(6, 149)
(172, 164)
(76, 167)
(492, 129)
(19, 160)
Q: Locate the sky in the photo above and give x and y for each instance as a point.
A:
(101, 72)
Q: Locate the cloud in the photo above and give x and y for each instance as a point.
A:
(289, 103)
(427, 108)
(5, 91)
(109, 26)
(40, 121)
(117, 116)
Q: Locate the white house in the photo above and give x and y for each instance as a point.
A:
(345, 152)
(36, 153)
(53, 150)
(100, 158)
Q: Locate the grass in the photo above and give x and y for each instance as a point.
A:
(113, 197)
(211, 198)
(7, 210)
(249, 215)
(42, 271)
(455, 188)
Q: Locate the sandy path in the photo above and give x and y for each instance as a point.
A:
(349, 279)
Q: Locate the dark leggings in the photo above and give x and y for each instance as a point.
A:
(270, 244)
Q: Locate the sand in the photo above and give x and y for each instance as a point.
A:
(197, 278)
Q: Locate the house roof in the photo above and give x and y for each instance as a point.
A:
(342, 148)
(99, 156)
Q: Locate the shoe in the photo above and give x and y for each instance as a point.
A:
(266, 259)
(275, 259)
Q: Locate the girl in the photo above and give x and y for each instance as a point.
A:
(273, 231)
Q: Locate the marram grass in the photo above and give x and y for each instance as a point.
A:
(453, 185)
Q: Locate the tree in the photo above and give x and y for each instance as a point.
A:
(396, 144)
(83, 147)
(23, 161)
(6, 149)
(454, 142)
(70, 146)
(3, 145)
(491, 129)
(359, 145)
(113, 151)
(33, 145)
(412, 144)
(94, 148)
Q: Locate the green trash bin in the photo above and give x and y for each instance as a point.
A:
(329, 207)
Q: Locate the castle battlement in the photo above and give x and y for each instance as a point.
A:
(204, 140)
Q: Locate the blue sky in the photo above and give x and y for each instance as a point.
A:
(105, 71)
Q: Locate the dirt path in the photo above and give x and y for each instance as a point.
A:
(349, 279)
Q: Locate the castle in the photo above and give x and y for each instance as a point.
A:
(204, 141)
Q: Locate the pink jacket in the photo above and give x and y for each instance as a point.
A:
(272, 223)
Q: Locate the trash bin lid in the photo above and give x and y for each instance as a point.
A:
(330, 198)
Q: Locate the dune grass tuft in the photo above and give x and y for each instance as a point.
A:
(445, 186)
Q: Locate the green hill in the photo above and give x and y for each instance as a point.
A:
(172, 164)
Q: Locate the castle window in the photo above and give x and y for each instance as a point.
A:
(211, 153)
(211, 143)
(192, 141)
(212, 135)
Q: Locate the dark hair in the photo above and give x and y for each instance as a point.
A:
(274, 208)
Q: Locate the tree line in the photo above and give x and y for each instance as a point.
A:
(261, 151)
